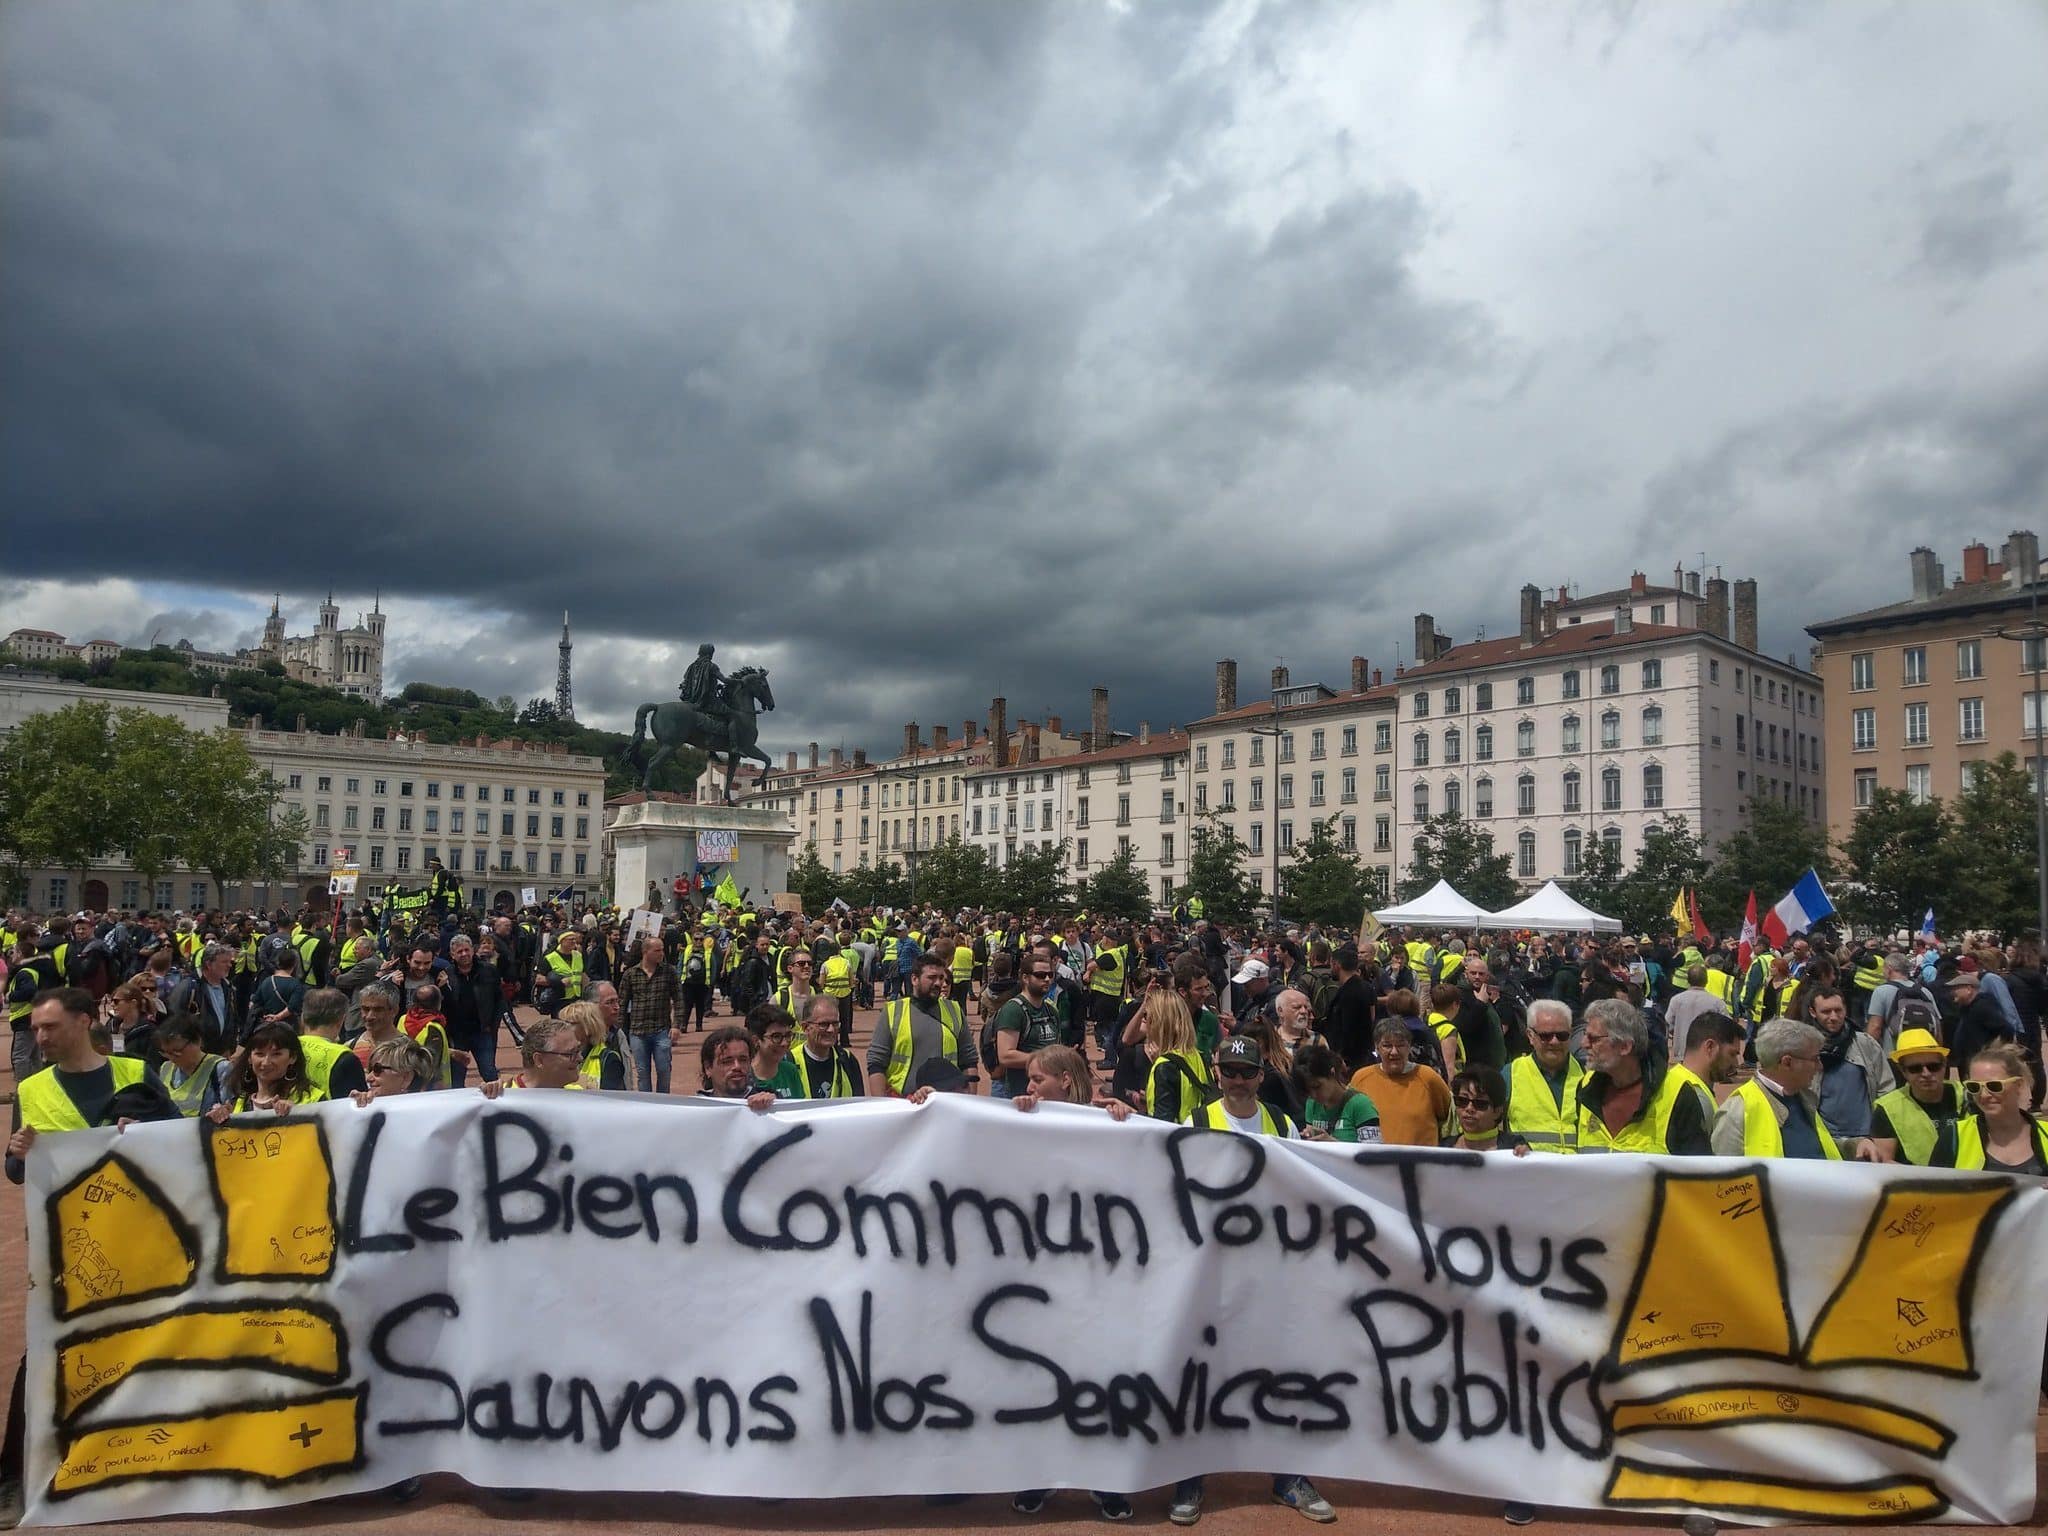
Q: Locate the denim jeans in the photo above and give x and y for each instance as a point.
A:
(651, 1061)
(485, 1054)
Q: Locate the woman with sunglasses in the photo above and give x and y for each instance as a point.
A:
(1998, 1135)
(1479, 1095)
(1905, 1122)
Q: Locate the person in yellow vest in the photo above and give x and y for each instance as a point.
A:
(1999, 1135)
(1713, 1055)
(1445, 1003)
(1722, 985)
(550, 1056)
(962, 960)
(919, 1028)
(1777, 1112)
(1178, 1082)
(835, 980)
(560, 976)
(1240, 1067)
(1543, 1086)
(1104, 979)
(330, 1066)
(825, 1069)
(601, 1066)
(1630, 1102)
(191, 1074)
(425, 1023)
(269, 1077)
(80, 1088)
(1908, 1120)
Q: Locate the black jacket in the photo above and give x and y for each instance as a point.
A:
(471, 1004)
(218, 1032)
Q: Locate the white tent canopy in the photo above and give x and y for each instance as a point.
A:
(1439, 904)
(1550, 910)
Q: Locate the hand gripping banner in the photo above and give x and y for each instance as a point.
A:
(576, 1290)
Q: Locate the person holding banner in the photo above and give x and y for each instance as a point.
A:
(1777, 1112)
(922, 1027)
(1178, 1082)
(1998, 1134)
(601, 1066)
(827, 1072)
(1908, 1120)
(726, 1059)
(1630, 1101)
(772, 1030)
(270, 1076)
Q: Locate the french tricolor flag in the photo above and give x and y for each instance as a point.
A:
(1804, 905)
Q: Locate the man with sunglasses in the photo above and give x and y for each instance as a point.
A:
(1543, 1086)
(1908, 1120)
(1239, 1068)
(551, 1055)
(1024, 1024)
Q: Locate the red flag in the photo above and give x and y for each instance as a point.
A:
(1748, 942)
(1700, 930)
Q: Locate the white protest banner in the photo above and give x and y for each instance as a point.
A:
(718, 846)
(645, 924)
(872, 1299)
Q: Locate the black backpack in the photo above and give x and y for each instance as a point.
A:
(990, 1058)
(1911, 1009)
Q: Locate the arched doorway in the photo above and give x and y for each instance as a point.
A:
(505, 901)
(95, 895)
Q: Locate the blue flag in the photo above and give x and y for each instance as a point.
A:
(1927, 924)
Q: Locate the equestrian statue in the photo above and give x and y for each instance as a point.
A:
(715, 712)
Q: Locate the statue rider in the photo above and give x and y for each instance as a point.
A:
(703, 684)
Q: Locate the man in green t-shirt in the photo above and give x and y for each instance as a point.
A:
(1026, 1023)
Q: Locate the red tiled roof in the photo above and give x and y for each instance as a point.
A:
(1385, 693)
(1571, 640)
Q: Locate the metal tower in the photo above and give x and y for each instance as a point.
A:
(565, 705)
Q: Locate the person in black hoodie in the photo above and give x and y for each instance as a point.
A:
(472, 1002)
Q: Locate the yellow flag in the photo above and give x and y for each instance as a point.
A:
(726, 893)
(1368, 931)
(1680, 914)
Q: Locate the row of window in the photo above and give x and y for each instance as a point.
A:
(1651, 676)
(1969, 723)
(323, 784)
(1913, 663)
(1571, 784)
(1570, 738)
(1920, 780)
(323, 821)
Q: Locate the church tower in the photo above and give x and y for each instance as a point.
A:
(273, 630)
(565, 703)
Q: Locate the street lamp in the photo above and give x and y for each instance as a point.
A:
(2036, 633)
(1276, 732)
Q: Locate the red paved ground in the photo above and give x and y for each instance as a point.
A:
(1235, 1504)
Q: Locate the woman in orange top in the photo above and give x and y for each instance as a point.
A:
(1413, 1100)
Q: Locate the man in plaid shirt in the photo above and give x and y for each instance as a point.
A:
(651, 993)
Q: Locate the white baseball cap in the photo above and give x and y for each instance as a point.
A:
(1251, 970)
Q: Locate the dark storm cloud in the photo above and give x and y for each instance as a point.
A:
(924, 350)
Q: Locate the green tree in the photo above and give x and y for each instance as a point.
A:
(811, 882)
(1994, 882)
(953, 874)
(155, 784)
(1767, 855)
(60, 798)
(1600, 879)
(874, 885)
(232, 825)
(539, 712)
(1216, 873)
(1322, 882)
(1118, 889)
(1901, 854)
(1035, 879)
(1669, 860)
(1452, 848)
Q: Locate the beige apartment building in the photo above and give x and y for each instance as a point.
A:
(1936, 684)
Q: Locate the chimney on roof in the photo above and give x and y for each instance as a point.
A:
(1638, 584)
(967, 733)
(1375, 677)
(860, 757)
(1279, 679)
(1564, 595)
(1098, 717)
(1624, 620)
(1715, 620)
(1745, 613)
(938, 738)
(1927, 575)
(1692, 582)
(789, 762)
(1030, 729)
(1532, 611)
(910, 738)
(2022, 559)
(1976, 556)
(1226, 686)
(1144, 731)
(838, 759)
(1052, 723)
(814, 754)
(999, 729)
(1359, 674)
(1547, 624)
(1678, 577)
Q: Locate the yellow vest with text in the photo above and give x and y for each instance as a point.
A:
(1646, 1133)
(952, 1025)
(45, 1106)
(1761, 1134)
(1534, 1115)
(321, 1055)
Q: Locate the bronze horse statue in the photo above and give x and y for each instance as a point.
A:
(730, 733)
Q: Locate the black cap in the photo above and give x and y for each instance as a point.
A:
(1240, 1048)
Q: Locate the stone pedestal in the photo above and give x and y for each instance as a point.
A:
(654, 840)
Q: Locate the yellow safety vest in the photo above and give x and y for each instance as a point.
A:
(45, 1106)
(306, 944)
(1534, 1115)
(321, 1054)
(1915, 1127)
(1761, 1134)
(839, 1086)
(1970, 1141)
(591, 1073)
(1447, 1036)
(1647, 1133)
(1197, 1070)
(571, 975)
(1692, 1079)
(1217, 1118)
(189, 1094)
(835, 979)
(1111, 983)
(1721, 984)
(963, 963)
(952, 1025)
(426, 1029)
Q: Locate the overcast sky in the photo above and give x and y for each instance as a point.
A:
(929, 351)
